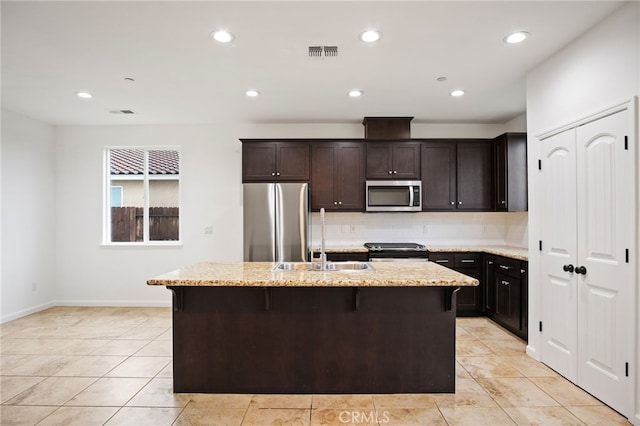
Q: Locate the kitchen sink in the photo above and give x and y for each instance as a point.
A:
(329, 266)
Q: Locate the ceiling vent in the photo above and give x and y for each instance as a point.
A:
(121, 111)
(321, 52)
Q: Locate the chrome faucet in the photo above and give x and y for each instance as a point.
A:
(323, 254)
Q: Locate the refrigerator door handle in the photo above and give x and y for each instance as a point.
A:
(278, 225)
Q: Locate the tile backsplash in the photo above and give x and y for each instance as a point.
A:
(354, 229)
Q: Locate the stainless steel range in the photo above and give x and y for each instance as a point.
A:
(397, 252)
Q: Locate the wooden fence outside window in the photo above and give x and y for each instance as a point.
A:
(127, 224)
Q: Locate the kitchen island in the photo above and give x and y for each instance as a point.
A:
(244, 328)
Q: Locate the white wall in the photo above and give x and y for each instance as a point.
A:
(597, 70)
(28, 216)
(89, 273)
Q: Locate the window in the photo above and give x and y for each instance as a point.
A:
(143, 195)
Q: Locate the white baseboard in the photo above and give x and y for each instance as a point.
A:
(25, 312)
(92, 303)
(533, 353)
(117, 303)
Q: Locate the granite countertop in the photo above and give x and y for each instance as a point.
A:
(259, 274)
(506, 251)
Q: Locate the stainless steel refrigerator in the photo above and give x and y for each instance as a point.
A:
(276, 222)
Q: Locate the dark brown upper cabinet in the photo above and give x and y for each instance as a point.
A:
(457, 175)
(269, 161)
(511, 172)
(393, 160)
(337, 176)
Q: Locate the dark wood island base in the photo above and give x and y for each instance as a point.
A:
(291, 340)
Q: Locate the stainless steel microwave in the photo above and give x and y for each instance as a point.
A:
(394, 195)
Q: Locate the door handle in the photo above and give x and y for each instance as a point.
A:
(569, 268)
(581, 270)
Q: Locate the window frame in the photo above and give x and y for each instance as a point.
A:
(106, 202)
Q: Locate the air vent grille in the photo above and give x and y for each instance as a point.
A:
(319, 52)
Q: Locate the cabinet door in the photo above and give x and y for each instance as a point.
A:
(501, 173)
(511, 172)
(438, 176)
(474, 173)
(379, 161)
(469, 300)
(405, 160)
(507, 291)
(323, 172)
(350, 176)
(489, 288)
(258, 162)
(292, 161)
(524, 297)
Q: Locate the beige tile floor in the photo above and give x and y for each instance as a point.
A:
(112, 366)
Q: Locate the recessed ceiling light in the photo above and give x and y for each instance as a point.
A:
(457, 93)
(252, 93)
(84, 95)
(370, 36)
(222, 36)
(517, 37)
(355, 93)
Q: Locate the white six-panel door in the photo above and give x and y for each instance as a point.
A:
(587, 226)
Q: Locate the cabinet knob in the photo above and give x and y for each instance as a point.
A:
(278, 174)
(568, 268)
(390, 172)
(340, 203)
(395, 171)
(459, 202)
(581, 270)
(273, 173)
(503, 202)
(335, 203)
(453, 202)
(505, 282)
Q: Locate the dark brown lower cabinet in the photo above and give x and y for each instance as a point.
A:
(469, 299)
(503, 291)
(511, 299)
(347, 256)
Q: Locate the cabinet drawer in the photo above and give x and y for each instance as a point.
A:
(467, 260)
(510, 267)
(444, 259)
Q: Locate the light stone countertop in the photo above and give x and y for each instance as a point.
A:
(506, 251)
(259, 274)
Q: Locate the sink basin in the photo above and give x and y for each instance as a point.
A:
(329, 266)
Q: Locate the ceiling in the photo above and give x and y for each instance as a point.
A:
(51, 50)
